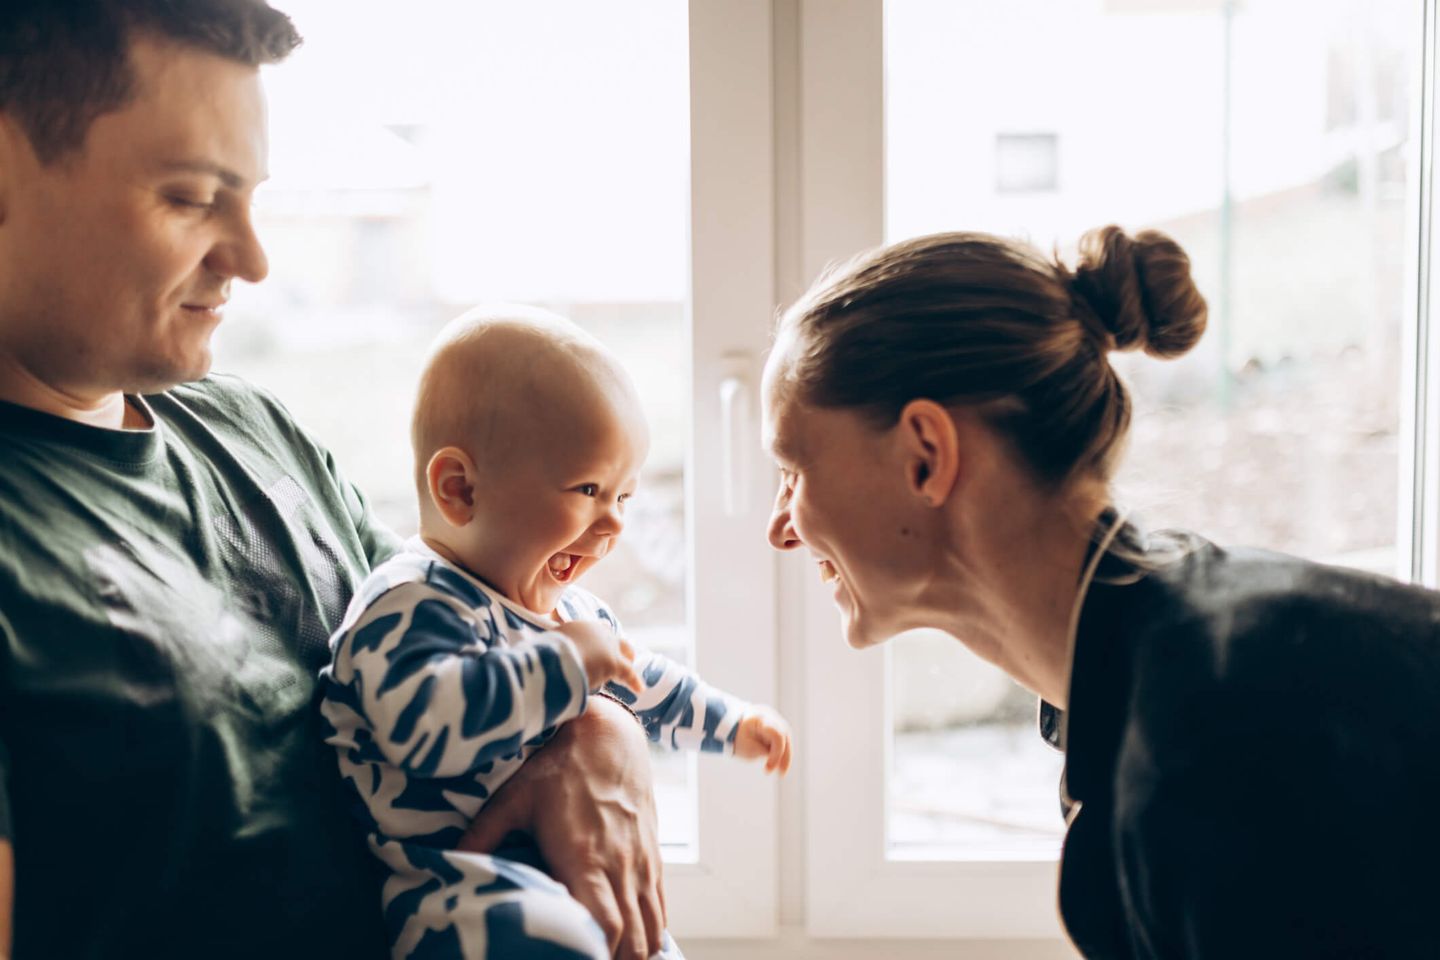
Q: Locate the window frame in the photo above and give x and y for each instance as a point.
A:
(731, 888)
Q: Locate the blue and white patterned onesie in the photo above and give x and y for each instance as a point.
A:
(439, 688)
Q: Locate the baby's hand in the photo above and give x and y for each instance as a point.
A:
(604, 655)
(764, 733)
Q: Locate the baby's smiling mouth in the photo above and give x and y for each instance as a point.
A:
(562, 566)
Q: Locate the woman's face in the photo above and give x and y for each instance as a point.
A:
(843, 497)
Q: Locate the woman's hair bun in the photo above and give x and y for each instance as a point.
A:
(1139, 289)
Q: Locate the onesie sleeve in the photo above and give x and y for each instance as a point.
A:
(678, 709)
(437, 692)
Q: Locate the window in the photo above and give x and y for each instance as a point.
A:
(1282, 429)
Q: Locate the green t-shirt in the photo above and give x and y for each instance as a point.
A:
(166, 597)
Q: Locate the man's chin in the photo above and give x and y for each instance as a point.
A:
(162, 377)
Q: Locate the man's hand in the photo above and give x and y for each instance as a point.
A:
(587, 799)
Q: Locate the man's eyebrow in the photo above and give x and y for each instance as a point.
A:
(226, 176)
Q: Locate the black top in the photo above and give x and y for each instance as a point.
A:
(165, 600)
(1252, 751)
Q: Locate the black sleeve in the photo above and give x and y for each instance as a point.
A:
(1299, 842)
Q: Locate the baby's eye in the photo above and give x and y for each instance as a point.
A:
(588, 489)
(623, 497)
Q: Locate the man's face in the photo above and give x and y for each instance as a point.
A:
(115, 261)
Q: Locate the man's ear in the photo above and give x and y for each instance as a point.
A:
(931, 449)
(450, 477)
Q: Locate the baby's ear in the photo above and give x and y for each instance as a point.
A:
(450, 478)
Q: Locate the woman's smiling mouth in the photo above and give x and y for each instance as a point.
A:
(828, 573)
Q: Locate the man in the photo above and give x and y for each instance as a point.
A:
(174, 550)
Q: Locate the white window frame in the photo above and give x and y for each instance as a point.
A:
(1419, 534)
(852, 888)
(731, 889)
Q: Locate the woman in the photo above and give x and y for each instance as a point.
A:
(1250, 749)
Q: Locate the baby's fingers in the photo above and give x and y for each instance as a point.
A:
(776, 743)
(627, 676)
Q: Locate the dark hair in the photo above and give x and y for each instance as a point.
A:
(986, 322)
(65, 62)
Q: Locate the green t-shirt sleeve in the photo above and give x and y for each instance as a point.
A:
(379, 541)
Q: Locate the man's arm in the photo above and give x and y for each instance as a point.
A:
(588, 800)
(7, 895)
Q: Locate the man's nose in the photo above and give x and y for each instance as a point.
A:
(782, 535)
(239, 253)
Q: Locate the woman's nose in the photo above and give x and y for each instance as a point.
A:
(781, 533)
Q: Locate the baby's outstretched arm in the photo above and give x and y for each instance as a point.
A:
(764, 733)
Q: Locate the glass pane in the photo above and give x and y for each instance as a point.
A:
(482, 151)
(1270, 138)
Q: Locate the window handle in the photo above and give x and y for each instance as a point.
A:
(735, 432)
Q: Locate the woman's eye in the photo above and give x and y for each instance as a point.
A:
(190, 204)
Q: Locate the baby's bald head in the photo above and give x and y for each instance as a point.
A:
(506, 382)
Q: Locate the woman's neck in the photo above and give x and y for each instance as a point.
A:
(1007, 583)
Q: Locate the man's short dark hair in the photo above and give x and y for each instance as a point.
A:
(65, 62)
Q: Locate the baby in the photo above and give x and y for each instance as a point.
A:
(460, 656)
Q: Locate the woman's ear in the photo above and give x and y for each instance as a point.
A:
(450, 477)
(931, 449)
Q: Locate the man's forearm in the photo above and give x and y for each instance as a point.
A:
(7, 896)
(588, 800)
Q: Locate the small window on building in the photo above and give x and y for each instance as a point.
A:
(1027, 162)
